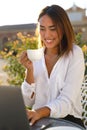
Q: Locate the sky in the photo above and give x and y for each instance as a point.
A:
(14, 12)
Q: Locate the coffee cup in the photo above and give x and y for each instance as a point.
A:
(35, 54)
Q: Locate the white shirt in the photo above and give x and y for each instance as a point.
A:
(62, 91)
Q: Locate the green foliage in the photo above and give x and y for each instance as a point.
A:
(15, 71)
(83, 45)
(12, 52)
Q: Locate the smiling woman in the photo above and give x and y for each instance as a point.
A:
(51, 87)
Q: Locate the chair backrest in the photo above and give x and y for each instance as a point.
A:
(84, 101)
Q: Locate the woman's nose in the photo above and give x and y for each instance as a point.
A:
(47, 33)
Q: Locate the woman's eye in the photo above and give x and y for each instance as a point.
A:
(42, 29)
(52, 29)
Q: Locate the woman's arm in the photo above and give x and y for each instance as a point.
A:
(28, 86)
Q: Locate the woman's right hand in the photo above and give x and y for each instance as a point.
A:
(29, 66)
(24, 60)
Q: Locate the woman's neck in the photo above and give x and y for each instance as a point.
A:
(51, 57)
(51, 52)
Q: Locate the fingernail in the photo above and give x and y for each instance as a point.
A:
(30, 124)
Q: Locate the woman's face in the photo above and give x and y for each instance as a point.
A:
(49, 34)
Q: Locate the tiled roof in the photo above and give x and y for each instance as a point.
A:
(19, 27)
(74, 8)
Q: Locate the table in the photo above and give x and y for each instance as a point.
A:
(51, 122)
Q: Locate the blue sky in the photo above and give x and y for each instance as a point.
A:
(27, 11)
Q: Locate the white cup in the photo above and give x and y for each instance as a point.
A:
(35, 54)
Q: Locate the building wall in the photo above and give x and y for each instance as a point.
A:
(11, 31)
(78, 19)
(75, 16)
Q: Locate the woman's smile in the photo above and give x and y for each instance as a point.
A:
(49, 41)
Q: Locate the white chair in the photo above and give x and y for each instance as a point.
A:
(84, 101)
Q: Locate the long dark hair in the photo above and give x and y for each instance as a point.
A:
(61, 20)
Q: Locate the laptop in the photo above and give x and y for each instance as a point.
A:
(12, 109)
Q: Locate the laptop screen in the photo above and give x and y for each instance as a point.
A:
(12, 109)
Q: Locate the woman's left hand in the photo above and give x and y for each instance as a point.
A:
(33, 116)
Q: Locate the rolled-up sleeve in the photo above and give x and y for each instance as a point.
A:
(28, 92)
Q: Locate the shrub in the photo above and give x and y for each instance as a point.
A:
(83, 45)
(11, 53)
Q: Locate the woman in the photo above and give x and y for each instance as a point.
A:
(52, 86)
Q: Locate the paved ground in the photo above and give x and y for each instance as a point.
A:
(3, 75)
